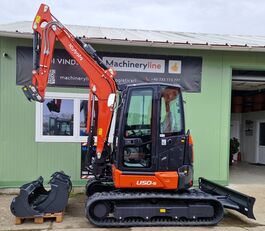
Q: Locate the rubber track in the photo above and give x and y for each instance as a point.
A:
(192, 195)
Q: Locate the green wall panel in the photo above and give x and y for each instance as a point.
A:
(207, 115)
(21, 158)
(203, 117)
(58, 156)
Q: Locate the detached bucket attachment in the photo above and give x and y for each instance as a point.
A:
(34, 200)
(229, 198)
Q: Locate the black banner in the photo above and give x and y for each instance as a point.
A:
(131, 68)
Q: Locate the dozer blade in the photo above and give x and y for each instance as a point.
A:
(229, 198)
(32, 93)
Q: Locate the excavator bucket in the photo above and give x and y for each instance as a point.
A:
(34, 200)
(229, 198)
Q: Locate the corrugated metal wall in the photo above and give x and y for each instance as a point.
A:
(207, 115)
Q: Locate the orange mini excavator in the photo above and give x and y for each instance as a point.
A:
(143, 177)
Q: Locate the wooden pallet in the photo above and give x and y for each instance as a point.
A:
(39, 220)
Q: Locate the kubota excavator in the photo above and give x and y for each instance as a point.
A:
(144, 176)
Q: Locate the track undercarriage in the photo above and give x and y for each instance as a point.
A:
(118, 209)
(194, 207)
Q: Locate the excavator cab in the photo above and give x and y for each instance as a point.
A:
(150, 141)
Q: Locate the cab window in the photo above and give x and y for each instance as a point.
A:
(138, 128)
(171, 119)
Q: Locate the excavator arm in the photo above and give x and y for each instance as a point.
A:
(47, 29)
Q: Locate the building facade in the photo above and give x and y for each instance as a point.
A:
(207, 112)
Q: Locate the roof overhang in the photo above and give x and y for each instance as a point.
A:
(121, 42)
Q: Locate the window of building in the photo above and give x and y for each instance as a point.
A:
(62, 118)
(83, 117)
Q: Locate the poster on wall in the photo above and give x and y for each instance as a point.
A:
(131, 69)
(249, 126)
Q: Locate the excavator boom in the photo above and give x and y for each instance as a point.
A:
(47, 29)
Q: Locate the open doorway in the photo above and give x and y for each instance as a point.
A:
(247, 127)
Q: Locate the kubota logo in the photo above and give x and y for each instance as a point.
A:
(145, 182)
(76, 53)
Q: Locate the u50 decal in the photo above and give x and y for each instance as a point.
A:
(145, 182)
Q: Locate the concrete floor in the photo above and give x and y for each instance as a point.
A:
(75, 218)
(245, 173)
(244, 177)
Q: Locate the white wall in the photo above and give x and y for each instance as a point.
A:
(248, 141)
(235, 125)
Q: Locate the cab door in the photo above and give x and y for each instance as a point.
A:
(136, 136)
(171, 130)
